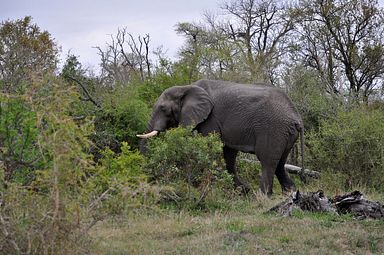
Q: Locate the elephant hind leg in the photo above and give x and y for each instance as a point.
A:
(286, 182)
(269, 153)
(268, 168)
(230, 160)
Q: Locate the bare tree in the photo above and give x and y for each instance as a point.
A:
(246, 42)
(348, 37)
(260, 28)
(317, 51)
(125, 58)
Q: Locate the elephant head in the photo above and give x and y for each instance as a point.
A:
(179, 105)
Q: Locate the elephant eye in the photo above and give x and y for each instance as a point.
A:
(165, 110)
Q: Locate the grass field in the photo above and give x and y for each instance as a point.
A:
(242, 228)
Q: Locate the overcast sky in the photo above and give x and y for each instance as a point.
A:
(79, 25)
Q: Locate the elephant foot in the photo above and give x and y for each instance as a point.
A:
(243, 187)
(288, 190)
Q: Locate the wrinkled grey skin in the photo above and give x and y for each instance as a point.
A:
(256, 119)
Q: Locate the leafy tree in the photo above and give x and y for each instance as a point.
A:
(247, 42)
(25, 51)
(88, 88)
(208, 52)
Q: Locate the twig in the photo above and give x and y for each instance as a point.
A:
(7, 235)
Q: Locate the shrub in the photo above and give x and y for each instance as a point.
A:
(352, 144)
(126, 110)
(116, 181)
(191, 164)
(151, 89)
(18, 137)
(45, 216)
(120, 121)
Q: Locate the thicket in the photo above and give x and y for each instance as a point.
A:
(351, 144)
(191, 166)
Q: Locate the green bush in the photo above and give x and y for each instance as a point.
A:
(151, 89)
(126, 110)
(18, 137)
(116, 179)
(351, 144)
(191, 164)
(120, 121)
(45, 216)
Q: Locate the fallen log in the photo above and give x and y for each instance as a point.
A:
(292, 169)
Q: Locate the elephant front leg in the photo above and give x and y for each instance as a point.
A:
(230, 160)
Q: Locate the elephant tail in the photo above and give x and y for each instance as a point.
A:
(302, 175)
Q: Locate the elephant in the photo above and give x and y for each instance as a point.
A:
(252, 118)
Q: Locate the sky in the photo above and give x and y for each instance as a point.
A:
(80, 25)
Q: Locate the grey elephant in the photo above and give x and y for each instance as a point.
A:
(257, 118)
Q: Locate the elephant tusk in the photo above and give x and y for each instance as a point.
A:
(148, 135)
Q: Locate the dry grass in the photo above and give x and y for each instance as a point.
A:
(242, 229)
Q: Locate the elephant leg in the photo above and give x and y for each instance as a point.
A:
(269, 153)
(230, 161)
(286, 182)
(268, 168)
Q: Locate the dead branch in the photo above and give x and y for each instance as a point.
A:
(292, 169)
(297, 170)
(85, 91)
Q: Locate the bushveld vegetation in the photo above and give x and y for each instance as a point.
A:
(72, 180)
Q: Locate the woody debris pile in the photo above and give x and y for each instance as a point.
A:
(352, 203)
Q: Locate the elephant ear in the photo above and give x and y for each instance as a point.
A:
(195, 106)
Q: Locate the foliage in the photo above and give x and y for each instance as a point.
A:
(121, 118)
(151, 89)
(25, 51)
(351, 144)
(116, 182)
(310, 97)
(190, 163)
(116, 169)
(18, 137)
(88, 88)
(44, 217)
